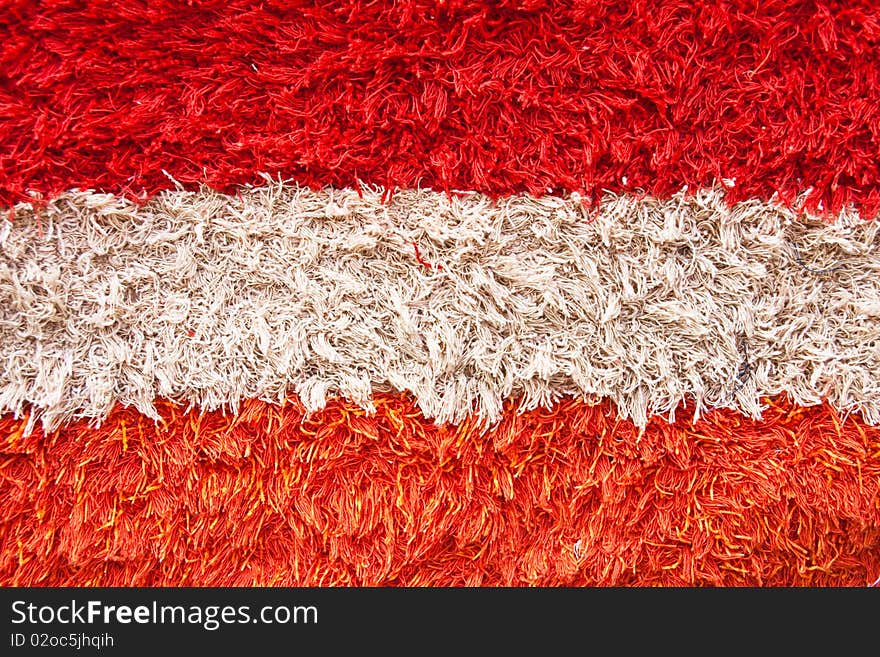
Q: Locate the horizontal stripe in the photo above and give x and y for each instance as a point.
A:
(572, 496)
(462, 302)
(460, 95)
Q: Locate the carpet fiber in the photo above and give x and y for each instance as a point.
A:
(439, 293)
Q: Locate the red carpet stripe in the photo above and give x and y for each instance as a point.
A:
(496, 97)
(569, 496)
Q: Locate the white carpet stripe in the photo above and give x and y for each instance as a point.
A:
(464, 303)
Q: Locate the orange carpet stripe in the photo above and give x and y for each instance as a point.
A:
(567, 496)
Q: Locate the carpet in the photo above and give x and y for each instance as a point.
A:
(439, 293)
